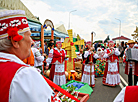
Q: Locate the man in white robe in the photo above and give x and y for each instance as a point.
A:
(19, 81)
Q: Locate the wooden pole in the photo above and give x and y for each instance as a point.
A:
(42, 38)
(92, 38)
(52, 34)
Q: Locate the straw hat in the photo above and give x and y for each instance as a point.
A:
(130, 42)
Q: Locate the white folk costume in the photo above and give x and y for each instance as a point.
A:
(111, 74)
(27, 85)
(57, 72)
(19, 82)
(88, 56)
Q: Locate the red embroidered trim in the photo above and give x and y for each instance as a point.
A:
(4, 58)
(19, 22)
(88, 73)
(59, 73)
(112, 72)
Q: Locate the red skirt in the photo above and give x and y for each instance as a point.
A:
(52, 71)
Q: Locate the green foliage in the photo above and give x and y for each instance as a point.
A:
(71, 89)
(107, 39)
(98, 41)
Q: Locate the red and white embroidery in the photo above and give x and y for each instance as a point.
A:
(13, 20)
(15, 23)
(3, 26)
(24, 21)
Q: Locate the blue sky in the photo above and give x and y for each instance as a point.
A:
(91, 15)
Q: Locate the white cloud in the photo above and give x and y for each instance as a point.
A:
(91, 15)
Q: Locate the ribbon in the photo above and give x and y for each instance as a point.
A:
(71, 43)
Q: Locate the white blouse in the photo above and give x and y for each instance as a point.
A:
(28, 85)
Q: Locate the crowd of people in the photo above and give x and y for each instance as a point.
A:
(22, 62)
(108, 53)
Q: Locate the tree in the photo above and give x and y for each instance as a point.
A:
(107, 39)
(135, 36)
(98, 41)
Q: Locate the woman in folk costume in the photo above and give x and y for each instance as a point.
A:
(131, 66)
(111, 74)
(88, 73)
(56, 58)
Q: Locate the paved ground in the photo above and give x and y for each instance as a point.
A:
(103, 93)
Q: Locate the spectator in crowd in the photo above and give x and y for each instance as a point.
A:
(95, 46)
(117, 46)
(121, 49)
(136, 43)
(38, 58)
(99, 45)
(46, 51)
(51, 44)
(126, 45)
(105, 45)
(51, 41)
(45, 48)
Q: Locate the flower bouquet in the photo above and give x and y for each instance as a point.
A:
(99, 67)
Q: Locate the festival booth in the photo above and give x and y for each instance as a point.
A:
(35, 28)
(57, 35)
(121, 38)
